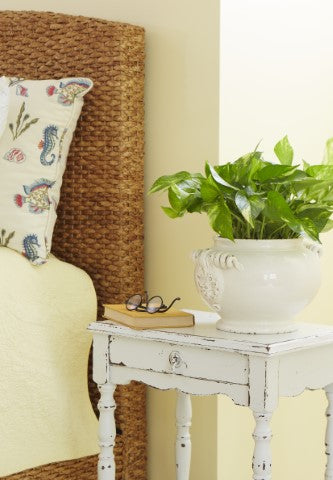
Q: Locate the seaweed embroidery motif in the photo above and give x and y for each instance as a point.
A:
(36, 196)
(22, 123)
(61, 142)
(69, 90)
(14, 81)
(48, 143)
(30, 242)
(4, 241)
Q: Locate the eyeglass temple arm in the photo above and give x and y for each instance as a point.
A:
(173, 301)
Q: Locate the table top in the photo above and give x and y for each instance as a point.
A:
(205, 334)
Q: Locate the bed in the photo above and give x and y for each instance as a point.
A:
(103, 180)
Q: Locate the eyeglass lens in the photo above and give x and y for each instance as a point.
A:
(154, 304)
(134, 302)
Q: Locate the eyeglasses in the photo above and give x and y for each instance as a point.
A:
(155, 304)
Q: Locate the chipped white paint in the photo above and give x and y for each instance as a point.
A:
(183, 440)
(101, 358)
(194, 386)
(192, 362)
(204, 334)
(262, 457)
(329, 433)
(252, 370)
(107, 432)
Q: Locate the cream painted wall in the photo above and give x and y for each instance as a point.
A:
(181, 132)
(276, 78)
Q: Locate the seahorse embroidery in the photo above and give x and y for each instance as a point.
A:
(36, 197)
(30, 242)
(48, 143)
(69, 90)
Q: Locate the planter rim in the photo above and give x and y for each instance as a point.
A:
(260, 245)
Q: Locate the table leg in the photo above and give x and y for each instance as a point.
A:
(262, 458)
(107, 432)
(183, 442)
(329, 433)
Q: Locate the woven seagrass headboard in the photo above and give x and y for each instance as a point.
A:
(100, 215)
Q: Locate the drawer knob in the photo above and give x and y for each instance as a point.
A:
(175, 360)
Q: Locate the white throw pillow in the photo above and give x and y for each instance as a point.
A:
(37, 122)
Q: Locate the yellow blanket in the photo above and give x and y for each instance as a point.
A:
(45, 412)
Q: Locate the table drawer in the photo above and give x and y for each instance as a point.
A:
(195, 362)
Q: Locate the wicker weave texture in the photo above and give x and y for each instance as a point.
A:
(100, 215)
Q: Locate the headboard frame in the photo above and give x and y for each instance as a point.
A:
(100, 215)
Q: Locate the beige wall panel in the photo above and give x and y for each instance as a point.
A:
(277, 79)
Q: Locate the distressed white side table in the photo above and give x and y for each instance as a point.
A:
(254, 371)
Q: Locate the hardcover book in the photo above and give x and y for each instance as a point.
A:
(142, 320)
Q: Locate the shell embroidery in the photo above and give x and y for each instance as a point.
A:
(15, 155)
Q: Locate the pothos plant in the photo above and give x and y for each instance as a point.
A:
(252, 198)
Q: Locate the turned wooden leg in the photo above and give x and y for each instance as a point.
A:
(107, 432)
(329, 433)
(183, 442)
(262, 458)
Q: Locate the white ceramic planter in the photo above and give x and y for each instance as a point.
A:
(258, 286)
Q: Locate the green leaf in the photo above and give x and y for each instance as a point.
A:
(328, 197)
(257, 205)
(318, 217)
(170, 212)
(310, 229)
(209, 190)
(245, 168)
(220, 219)
(178, 198)
(218, 179)
(195, 204)
(321, 172)
(207, 169)
(328, 226)
(191, 185)
(164, 182)
(277, 209)
(275, 172)
(306, 165)
(306, 184)
(244, 206)
(328, 159)
(284, 151)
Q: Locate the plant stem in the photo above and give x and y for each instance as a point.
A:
(237, 217)
(261, 235)
(276, 230)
